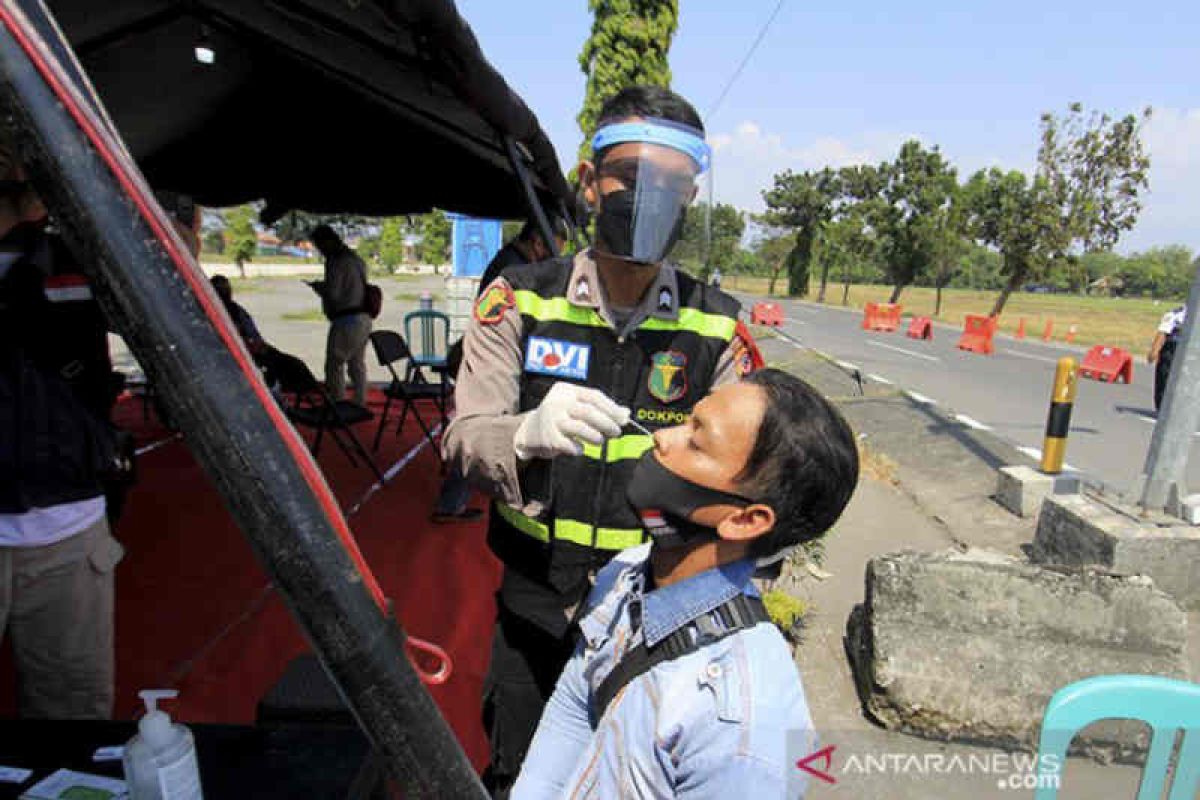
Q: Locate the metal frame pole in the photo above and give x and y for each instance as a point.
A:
(535, 205)
(1166, 462)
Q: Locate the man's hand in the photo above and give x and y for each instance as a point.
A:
(567, 414)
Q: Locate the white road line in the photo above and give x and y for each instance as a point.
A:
(879, 379)
(1032, 452)
(971, 423)
(1154, 421)
(791, 321)
(847, 365)
(905, 352)
(1031, 356)
(920, 398)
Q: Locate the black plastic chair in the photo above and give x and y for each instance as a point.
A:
(312, 407)
(390, 349)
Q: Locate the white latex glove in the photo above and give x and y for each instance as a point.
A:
(567, 415)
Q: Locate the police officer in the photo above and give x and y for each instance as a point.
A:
(557, 358)
(1162, 350)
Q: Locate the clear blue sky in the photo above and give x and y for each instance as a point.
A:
(838, 83)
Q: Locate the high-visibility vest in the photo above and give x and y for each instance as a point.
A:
(660, 370)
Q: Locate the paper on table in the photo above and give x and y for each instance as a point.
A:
(68, 783)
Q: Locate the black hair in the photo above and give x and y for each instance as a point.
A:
(531, 230)
(649, 101)
(804, 463)
(324, 238)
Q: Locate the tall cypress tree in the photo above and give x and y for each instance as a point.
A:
(629, 44)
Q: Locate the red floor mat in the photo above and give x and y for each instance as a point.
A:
(195, 611)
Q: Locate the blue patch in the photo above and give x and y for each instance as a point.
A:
(558, 358)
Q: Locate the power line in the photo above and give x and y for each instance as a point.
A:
(732, 78)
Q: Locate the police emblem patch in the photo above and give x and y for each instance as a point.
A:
(668, 376)
(493, 303)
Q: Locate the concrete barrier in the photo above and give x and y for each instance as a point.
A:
(971, 646)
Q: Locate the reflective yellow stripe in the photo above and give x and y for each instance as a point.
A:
(559, 309)
(621, 448)
(556, 309)
(692, 319)
(572, 531)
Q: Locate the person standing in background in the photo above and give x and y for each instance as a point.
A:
(343, 294)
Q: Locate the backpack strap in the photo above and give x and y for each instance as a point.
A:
(734, 615)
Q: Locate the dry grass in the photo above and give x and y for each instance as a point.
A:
(875, 465)
(1128, 323)
(303, 316)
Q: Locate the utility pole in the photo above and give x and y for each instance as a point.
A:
(1166, 463)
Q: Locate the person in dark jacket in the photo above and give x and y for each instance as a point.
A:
(527, 248)
(57, 555)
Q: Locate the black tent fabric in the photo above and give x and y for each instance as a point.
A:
(376, 107)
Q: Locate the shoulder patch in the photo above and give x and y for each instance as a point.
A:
(495, 301)
(746, 356)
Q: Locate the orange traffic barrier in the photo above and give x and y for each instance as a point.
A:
(920, 328)
(1071, 334)
(881, 317)
(1021, 329)
(977, 334)
(1048, 331)
(1108, 364)
(766, 314)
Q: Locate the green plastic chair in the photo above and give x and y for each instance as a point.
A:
(428, 349)
(1165, 704)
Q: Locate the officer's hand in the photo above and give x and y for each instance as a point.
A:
(567, 415)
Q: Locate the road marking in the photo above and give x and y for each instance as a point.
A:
(905, 352)
(791, 321)
(920, 398)
(971, 423)
(847, 365)
(1029, 356)
(1154, 421)
(879, 379)
(1032, 452)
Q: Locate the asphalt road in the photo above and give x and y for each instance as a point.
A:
(1007, 392)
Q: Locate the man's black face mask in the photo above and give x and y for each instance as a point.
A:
(646, 236)
(666, 501)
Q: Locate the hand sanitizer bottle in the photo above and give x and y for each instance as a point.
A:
(160, 761)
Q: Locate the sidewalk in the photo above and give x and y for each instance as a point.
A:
(926, 485)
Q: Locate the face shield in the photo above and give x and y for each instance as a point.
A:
(647, 174)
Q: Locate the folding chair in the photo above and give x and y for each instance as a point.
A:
(391, 348)
(312, 407)
(1168, 706)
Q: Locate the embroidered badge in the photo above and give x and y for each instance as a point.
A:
(557, 358)
(668, 376)
(493, 303)
(664, 299)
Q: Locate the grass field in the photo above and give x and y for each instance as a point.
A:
(1128, 323)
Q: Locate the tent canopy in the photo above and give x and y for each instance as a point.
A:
(376, 107)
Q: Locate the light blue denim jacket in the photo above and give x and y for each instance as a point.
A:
(713, 723)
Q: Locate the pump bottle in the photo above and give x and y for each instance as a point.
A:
(160, 761)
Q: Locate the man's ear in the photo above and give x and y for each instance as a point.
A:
(747, 523)
(587, 181)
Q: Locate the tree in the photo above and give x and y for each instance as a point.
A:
(294, 226)
(772, 251)
(1019, 218)
(915, 187)
(803, 202)
(434, 229)
(628, 45)
(846, 243)
(711, 239)
(945, 233)
(213, 242)
(391, 241)
(241, 240)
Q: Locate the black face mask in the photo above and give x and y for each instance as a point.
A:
(614, 224)
(665, 502)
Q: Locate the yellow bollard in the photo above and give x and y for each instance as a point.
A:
(1058, 423)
